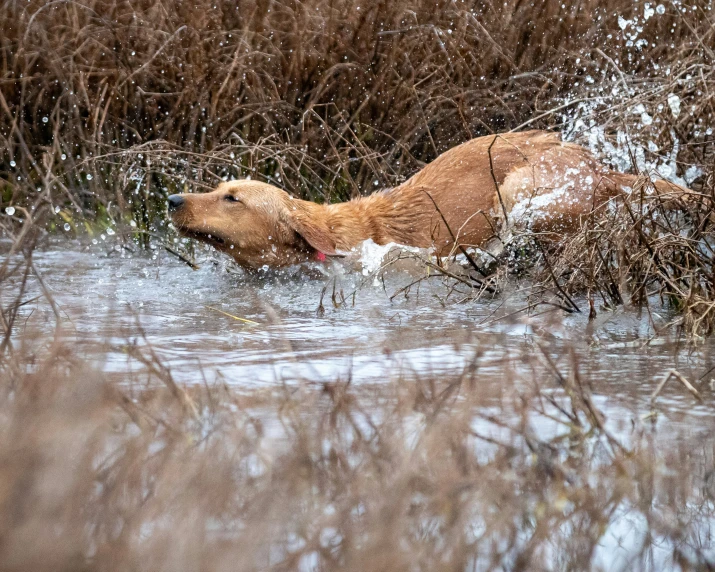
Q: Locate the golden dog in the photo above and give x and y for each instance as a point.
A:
(465, 197)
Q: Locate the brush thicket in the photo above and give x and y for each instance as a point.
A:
(329, 99)
(644, 248)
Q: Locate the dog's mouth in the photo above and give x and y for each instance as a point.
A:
(207, 237)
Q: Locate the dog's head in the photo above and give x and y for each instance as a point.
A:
(255, 223)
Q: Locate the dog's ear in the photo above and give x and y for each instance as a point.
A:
(308, 221)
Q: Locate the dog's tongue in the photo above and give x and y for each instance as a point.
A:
(320, 257)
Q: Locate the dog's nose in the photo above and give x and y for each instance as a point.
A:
(175, 201)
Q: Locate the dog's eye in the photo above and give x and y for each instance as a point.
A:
(231, 199)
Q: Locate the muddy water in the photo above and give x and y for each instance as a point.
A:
(191, 319)
(196, 322)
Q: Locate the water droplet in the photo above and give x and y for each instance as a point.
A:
(692, 173)
(110, 231)
(660, 9)
(10, 210)
(67, 226)
(133, 223)
(12, 163)
(89, 177)
(674, 104)
(45, 120)
(57, 209)
(63, 156)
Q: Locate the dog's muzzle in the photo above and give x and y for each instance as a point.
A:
(175, 202)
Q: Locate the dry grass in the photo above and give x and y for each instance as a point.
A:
(147, 97)
(419, 474)
(108, 106)
(646, 249)
(330, 99)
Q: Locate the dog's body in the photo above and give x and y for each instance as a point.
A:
(463, 198)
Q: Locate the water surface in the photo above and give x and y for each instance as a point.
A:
(218, 325)
(194, 320)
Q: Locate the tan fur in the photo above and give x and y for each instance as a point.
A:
(533, 177)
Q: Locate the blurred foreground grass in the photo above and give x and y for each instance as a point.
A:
(420, 473)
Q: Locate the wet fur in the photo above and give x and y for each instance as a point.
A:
(549, 184)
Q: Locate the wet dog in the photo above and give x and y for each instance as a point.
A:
(467, 196)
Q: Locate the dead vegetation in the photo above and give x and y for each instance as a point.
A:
(329, 101)
(421, 473)
(646, 249)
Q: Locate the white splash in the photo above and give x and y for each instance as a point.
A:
(372, 254)
(619, 155)
(530, 209)
(674, 104)
(692, 173)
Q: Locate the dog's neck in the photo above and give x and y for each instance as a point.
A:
(383, 217)
(361, 219)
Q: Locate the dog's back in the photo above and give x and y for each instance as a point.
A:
(529, 178)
